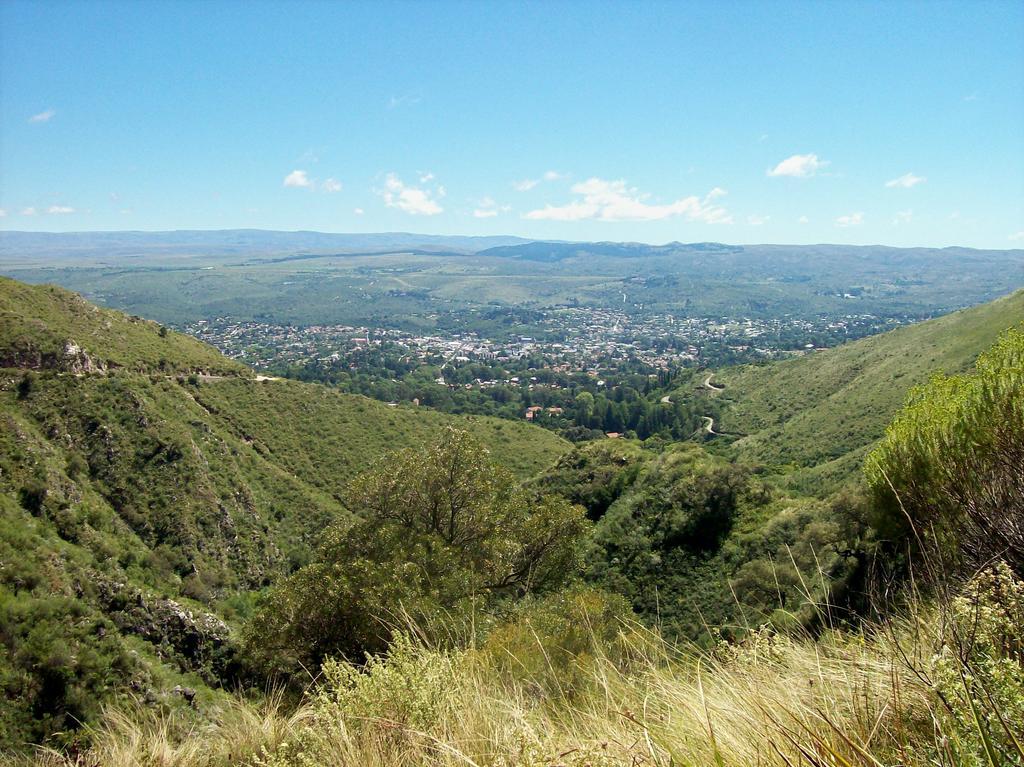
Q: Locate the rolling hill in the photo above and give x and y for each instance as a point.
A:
(817, 414)
(46, 327)
(148, 486)
(418, 281)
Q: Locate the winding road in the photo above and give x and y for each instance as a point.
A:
(708, 385)
(708, 425)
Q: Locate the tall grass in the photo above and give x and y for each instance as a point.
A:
(907, 692)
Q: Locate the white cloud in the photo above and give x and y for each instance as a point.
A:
(756, 220)
(903, 217)
(59, 209)
(614, 201)
(409, 99)
(905, 181)
(30, 211)
(298, 179)
(803, 220)
(43, 117)
(358, 211)
(1016, 236)
(798, 166)
(3, 213)
(529, 183)
(852, 219)
(488, 208)
(413, 200)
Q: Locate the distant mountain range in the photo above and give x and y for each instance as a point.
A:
(227, 242)
(233, 241)
(548, 251)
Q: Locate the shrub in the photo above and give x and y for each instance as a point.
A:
(26, 385)
(442, 533)
(947, 477)
(32, 495)
(979, 671)
(551, 645)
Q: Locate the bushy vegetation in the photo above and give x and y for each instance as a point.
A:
(59, 655)
(814, 418)
(139, 511)
(443, 536)
(450, 612)
(595, 474)
(700, 546)
(949, 475)
(897, 692)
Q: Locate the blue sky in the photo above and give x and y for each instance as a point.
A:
(896, 123)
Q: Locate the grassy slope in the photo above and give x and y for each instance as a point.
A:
(611, 699)
(196, 492)
(227, 483)
(326, 437)
(828, 406)
(43, 318)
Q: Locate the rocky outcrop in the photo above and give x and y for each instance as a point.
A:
(196, 641)
(71, 359)
(76, 360)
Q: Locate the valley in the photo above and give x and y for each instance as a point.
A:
(584, 339)
(511, 384)
(178, 505)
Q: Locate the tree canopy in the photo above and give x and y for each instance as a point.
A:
(441, 531)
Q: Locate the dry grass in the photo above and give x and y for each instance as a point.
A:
(939, 687)
(841, 700)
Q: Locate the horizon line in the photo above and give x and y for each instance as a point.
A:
(526, 240)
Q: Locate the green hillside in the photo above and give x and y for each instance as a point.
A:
(350, 431)
(46, 327)
(150, 490)
(142, 503)
(818, 413)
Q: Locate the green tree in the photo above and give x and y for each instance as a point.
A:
(584, 408)
(442, 532)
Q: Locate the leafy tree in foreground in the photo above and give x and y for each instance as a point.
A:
(949, 475)
(442, 532)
